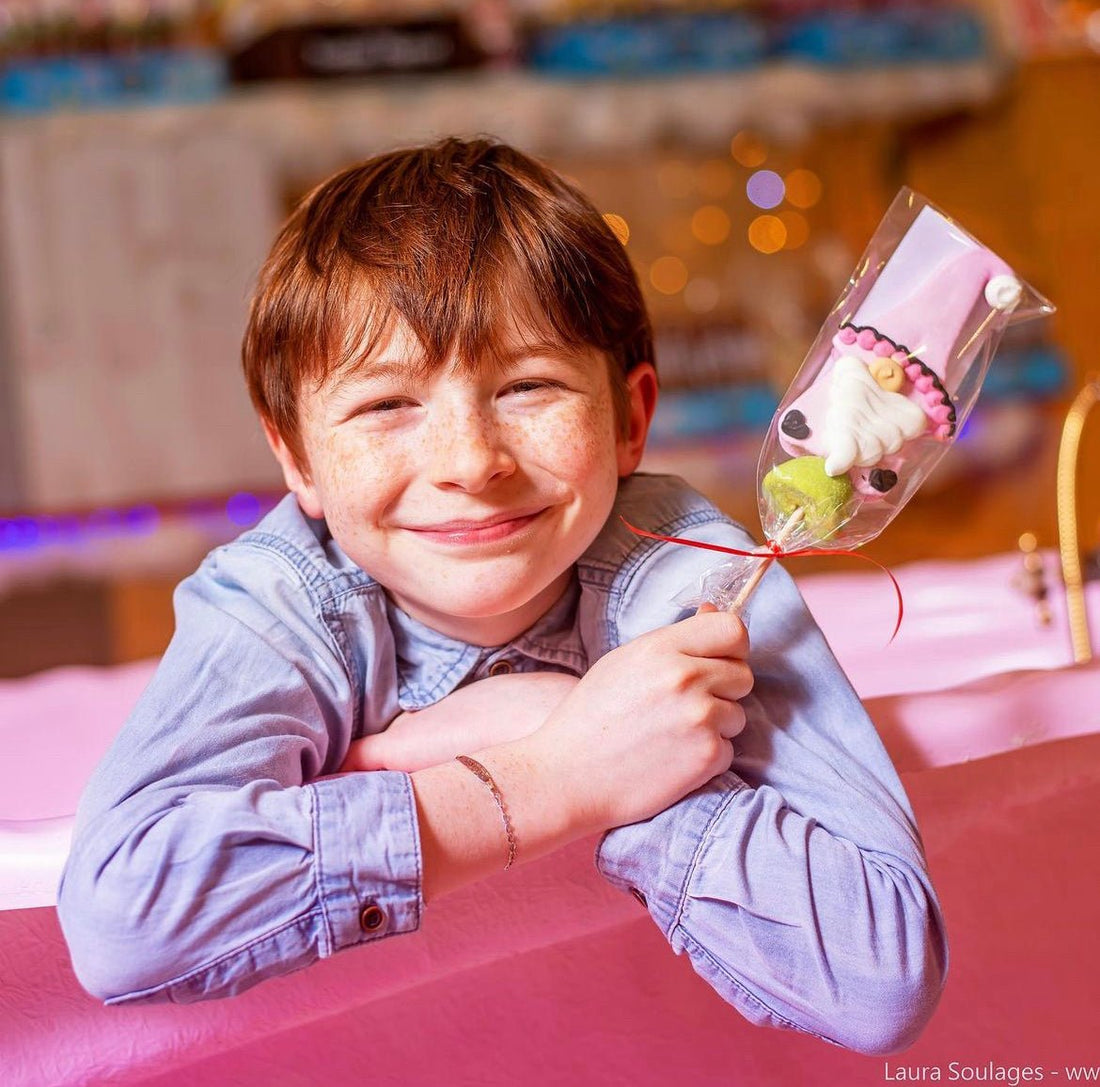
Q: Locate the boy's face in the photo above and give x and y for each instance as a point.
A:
(468, 496)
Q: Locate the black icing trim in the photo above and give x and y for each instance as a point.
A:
(926, 371)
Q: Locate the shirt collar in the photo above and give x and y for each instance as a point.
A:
(431, 665)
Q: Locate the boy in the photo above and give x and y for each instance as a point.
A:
(442, 653)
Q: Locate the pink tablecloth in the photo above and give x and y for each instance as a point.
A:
(547, 976)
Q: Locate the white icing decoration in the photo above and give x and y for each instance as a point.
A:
(1004, 292)
(864, 422)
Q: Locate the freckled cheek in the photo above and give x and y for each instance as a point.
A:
(574, 442)
(362, 481)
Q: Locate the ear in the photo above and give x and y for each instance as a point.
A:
(641, 385)
(297, 479)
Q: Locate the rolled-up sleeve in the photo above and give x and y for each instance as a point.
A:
(209, 852)
(796, 882)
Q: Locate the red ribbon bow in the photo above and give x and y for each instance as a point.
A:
(774, 551)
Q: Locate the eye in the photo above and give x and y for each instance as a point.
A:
(384, 409)
(531, 385)
(393, 403)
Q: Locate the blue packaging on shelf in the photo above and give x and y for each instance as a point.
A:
(1032, 372)
(904, 35)
(712, 412)
(90, 81)
(657, 43)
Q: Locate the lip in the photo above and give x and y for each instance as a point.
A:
(486, 530)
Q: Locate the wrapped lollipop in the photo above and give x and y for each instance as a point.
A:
(883, 392)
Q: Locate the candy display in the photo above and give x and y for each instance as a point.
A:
(884, 390)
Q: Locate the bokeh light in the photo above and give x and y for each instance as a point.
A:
(798, 229)
(104, 522)
(765, 189)
(1092, 30)
(668, 274)
(710, 225)
(243, 509)
(619, 226)
(141, 520)
(748, 149)
(767, 234)
(701, 295)
(803, 188)
(675, 179)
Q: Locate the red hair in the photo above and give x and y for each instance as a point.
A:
(456, 239)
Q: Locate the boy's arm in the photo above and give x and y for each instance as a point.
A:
(802, 900)
(494, 710)
(209, 853)
(205, 856)
(212, 851)
(796, 881)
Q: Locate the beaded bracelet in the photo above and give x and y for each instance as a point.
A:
(479, 771)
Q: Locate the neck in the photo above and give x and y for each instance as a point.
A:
(490, 630)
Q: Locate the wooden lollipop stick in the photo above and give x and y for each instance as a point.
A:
(789, 526)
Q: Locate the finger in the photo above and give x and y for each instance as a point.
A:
(724, 678)
(711, 634)
(733, 722)
(733, 681)
(706, 608)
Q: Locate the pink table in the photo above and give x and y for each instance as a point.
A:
(546, 976)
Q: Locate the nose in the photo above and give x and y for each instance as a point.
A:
(471, 452)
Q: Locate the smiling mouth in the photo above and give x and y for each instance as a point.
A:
(489, 530)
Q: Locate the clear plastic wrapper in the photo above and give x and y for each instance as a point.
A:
(883, 392)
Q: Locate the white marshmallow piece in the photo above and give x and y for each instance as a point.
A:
(1004, 292)
(863, 421)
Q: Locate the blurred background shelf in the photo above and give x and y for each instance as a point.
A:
(130, 237)
(315, 122)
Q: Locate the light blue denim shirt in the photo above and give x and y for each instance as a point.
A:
(211, 850)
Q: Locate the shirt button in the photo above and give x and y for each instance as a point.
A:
(371, 916)
(500, 668)
(639, 896)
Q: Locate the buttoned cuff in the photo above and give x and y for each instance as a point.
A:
(368, 864)
(654, 860)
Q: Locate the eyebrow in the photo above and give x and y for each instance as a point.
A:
(400, 367)
(541, 348)
(374, 369)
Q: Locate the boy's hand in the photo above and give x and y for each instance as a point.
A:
(651, 721)
(491, 711)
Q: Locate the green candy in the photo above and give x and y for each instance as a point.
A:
(801, 483)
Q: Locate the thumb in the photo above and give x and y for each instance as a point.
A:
(707, 608)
